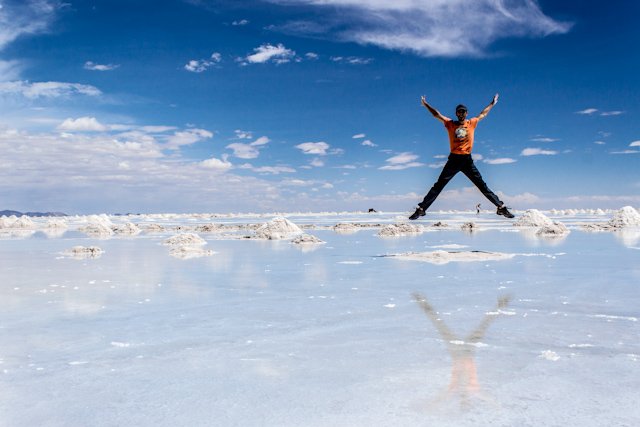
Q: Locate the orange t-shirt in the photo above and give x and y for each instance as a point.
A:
(461, 135)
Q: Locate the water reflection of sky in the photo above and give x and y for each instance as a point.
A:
(264, 331)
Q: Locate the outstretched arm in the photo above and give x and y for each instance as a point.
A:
(433, 111)
(488, 108)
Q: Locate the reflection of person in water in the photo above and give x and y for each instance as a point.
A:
(464, 372)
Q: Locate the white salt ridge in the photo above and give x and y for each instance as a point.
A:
(445, 257)
(127, 228)
(24, 223)
(188, 252)
(185, 239)
(549, 355)
(277, 229)
(345, 228)
(306, 239)
(83, 252)
(555, 229)
(154, 228)
(401, 229)
(56, 223)
(533, 218)
(7, 221)
(625, 217)
(97, 229)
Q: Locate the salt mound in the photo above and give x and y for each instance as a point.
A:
(533, 218)
(187, 252)
(185, 239)
(154, 228)
(56, 223)
(345, 228)
(24, 222)
(209, 228)
(304, 239)
(96, 230)
(6, 222)
(556, 229)
(625, 217)
(402, 229)
(82, 252)
(444, 257)
(277, 229)
(127, 228)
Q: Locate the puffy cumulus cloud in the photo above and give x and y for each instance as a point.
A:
(187, 137)
(241, 134)
(368, 143)
(316, 148)
(47, 89)
(402, 161)
(635, 144)
(425, 27)
(82, 124)
(537, 152)
(221, 165)
(92, 66)
(200, 65)
(269, 53)
(499, 161)
(250, 150)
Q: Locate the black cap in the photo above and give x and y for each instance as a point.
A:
(461, 107)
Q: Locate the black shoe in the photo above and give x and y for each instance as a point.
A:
(502, 210)
(418, 213)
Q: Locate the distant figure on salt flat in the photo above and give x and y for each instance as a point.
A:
(478, 209)
(461, 134)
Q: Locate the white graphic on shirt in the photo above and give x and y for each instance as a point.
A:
(461, 132)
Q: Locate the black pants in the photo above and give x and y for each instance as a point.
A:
(459, 163)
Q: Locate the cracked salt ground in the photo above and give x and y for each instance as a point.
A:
(262, 333)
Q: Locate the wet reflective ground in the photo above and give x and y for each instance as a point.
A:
(270, 333)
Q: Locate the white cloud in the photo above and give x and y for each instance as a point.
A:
(217, 164)
(635, 144)
(352, 60)
(428, 28)
(311, 56)
(250, 150)
(543, 139)
(47, 89)
(25, 17)
(10, 70)
(266, 53)
(626, 152)
(241, 134)
(317, 148)
(599, 142)
(240, 22)
(187, 137)
(99, 67)
(587, 111)
(200, 65)
(437, 165)
(273, 170)
(537, 152)
(368, 143)
(611, 113)
(499, 161)
(401, 161)
(358, 136)
(82, 124)
(317, 163)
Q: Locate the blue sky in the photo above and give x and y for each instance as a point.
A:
(313, 105)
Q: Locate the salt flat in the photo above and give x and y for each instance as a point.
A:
(247, 331)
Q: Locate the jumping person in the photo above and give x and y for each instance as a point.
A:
(461, 143)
